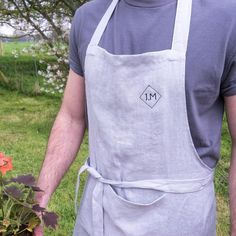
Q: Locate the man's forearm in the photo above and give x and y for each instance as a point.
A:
(63, 144)
(232, 190)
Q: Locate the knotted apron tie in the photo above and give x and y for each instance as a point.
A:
(165, 185)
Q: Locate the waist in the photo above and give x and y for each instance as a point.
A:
(165, 185)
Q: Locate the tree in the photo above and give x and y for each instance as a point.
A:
(51, 21)
(1, 48)
(41, 16)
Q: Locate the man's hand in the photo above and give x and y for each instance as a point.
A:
(230, 103)
(65, 139)
(38, 231)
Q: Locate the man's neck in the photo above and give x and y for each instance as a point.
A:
(149, 3)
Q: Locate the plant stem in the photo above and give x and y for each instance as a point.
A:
(17, 201)
(20, 217)
(22, 231)
(9, 209)
(35, 67)
(1, 194)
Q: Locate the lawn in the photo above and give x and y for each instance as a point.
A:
(22, 72)
(11, 46)
(25, 123)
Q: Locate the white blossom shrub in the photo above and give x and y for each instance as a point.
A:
(53, 64)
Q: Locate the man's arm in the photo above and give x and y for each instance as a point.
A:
(65, 138)
(230, 103)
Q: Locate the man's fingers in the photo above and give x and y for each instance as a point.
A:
(38, 231)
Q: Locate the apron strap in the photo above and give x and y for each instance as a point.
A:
(81, 170)
(182, 25)
(181, 28)
(97, 209)
(165, 185)
(103, 23)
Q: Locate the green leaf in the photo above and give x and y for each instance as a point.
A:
(3, 229)
(27, 180)
(33, 223)
(6, 222)
(50, 219)
(14, 192)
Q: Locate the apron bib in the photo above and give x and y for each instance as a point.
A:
(145, 175)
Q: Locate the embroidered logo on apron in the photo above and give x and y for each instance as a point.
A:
(150, 96)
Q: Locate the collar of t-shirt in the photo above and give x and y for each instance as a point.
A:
(149, 3)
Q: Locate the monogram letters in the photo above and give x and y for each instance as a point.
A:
(150, 96)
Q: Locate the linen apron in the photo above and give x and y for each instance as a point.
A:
(145, 175)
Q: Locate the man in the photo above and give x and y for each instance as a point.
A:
(155, 76)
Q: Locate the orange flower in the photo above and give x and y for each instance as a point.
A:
(5, 163)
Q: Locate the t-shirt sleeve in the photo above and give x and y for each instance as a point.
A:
(228, 86)
(74, 58)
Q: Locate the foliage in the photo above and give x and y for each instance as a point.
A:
(56, 70)
(20, 213)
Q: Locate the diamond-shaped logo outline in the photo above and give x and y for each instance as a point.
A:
(149, 86)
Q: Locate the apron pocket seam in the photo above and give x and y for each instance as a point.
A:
(134, 204)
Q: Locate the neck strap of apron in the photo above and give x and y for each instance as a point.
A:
(181, 29)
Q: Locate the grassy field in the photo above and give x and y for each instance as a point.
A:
(21, 72)
(25, 123)
(9, 47)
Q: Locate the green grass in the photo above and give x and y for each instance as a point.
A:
(10, 46)
(25, 123)
(21, 72)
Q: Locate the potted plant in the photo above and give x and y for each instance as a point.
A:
(19, 211)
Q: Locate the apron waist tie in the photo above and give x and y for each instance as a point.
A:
(165, 185)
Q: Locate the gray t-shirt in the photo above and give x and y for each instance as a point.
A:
(138, 26)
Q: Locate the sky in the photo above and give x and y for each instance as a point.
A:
(6, 30)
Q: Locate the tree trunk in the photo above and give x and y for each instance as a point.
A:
(1, 48)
